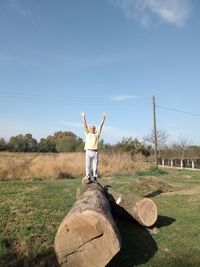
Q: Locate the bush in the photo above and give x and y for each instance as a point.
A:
(2, 144)
(46, 145)
(22, 143)
(66, 144)
(152, 171)
(64, 175)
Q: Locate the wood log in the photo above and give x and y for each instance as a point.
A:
(142, 209)
(88, 235)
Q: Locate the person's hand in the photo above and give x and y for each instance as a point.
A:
(83, 114)
(104, 115)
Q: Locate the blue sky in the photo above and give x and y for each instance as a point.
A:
(58, 58)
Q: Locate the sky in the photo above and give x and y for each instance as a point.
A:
(59, 58)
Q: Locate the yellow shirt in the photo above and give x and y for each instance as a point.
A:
(91, 139)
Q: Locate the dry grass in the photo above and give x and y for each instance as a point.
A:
(50, 165)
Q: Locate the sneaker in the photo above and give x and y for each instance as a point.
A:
(95, 179)
(88, 181)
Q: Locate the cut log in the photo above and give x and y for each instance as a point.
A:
(142, 209)
(88, 235)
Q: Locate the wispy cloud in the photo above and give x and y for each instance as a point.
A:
(122, 97)
(73, 63)
(15, 5)
(21, 10)
(175, 12)
(65, 63)
(75, 125)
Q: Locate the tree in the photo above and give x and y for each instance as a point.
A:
(46, 145)
(162, 138)
(58, 135)
(30, 144)
(180, 147)
(66, 144)
(193, 152)
(22, 143)
(66, 141)
(16, 143)
(3, 144)
(80, 145)
(133, 146)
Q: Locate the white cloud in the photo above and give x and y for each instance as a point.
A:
(122, 97)
(175, 12)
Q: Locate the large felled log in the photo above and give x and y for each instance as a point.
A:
(87, 236)
(142, 209)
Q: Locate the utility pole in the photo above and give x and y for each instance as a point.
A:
(155, 131)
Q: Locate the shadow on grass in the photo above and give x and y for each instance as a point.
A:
(138, 246)
(164, 221)
(155, 193)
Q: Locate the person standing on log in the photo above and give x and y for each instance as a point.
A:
(91, 148)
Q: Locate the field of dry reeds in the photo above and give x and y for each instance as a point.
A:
(62, 165)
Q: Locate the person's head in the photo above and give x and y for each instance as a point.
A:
(92, 129)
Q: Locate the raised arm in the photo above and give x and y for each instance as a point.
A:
(84, 122)
(102, 122)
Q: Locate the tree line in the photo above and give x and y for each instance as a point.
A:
(180, 149)
(58, 142)
(66, 141)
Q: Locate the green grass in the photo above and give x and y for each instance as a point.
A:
(31, 211)
(152, 171)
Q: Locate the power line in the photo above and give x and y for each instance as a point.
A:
(178, 110)
(140, 101)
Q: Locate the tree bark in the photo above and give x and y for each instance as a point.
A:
(88, 235)
(142, 209)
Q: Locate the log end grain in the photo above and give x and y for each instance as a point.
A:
(87, 239)
(147, 211)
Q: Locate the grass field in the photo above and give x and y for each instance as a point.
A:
(31, 211)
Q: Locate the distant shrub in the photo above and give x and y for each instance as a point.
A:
(66, 144)
(22, 143)
(2, 144)
(46, 145)
(64, 175)
(152, 171)
(37, 178)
